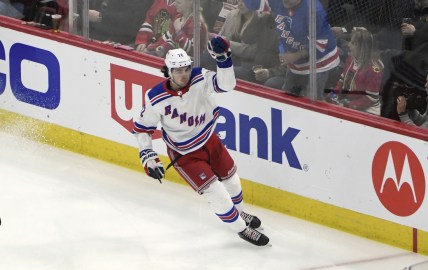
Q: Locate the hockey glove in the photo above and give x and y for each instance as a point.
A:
(219, 49)
(152, 164)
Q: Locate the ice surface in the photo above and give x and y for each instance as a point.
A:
(61, 210)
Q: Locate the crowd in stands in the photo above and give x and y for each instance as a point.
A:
(370, 56)
(38, 11)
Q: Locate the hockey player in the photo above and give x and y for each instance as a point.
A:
(187, 112)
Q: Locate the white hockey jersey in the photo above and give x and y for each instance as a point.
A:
(188, 117)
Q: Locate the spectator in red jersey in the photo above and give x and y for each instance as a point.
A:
(180, 33)
(360, 82)
(158, 19)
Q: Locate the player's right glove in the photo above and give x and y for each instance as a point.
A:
(219, 49)
(152, 164)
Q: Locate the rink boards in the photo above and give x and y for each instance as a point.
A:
(305, 159)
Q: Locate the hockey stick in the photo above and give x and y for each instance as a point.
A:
(345, 92)
(155, 173)
(173, 162)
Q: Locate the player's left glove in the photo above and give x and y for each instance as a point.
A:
(152, 164)
(219, 49)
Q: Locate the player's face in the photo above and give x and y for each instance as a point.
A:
(291, 3)
(181, 75)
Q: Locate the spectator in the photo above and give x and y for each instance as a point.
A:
(422, 10)
(360, 82)
(158, 20)
(408, 71)
(415, 33)
(273, 74)
(271, 77)
(12, 9)
(345, 14)
(382, 18)
(118, 21)
(180, 33)
(412, 116)
(40, 11)
(252, 39)
(415, 38)
(292, 22)
(215, 13)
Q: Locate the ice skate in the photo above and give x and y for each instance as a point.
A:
(254, 237)
(252, 221)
